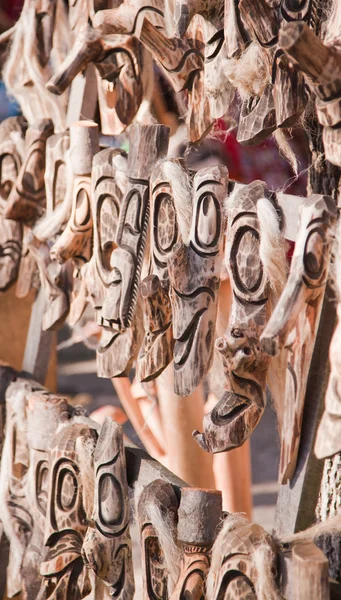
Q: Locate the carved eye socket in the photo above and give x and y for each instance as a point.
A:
(208, 222)
(82, 210)
(8, 175)
(59, 183)
(42, 485)
(33, 179)
(245, 260)
(313, 258)
(110, 496)
(67, 487)
(194, 587)
(165, 223)
(295, 5)
(133, 215)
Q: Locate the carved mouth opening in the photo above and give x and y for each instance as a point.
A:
(230, 407)
(186, 339)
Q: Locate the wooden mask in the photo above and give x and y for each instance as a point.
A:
(45, 412)
(194, 272)
(148, 143)
(238, 412)
(295, 320)
(157, 497)
(157, 347)
(69, 507)
(117, 347)
(26, 202)
(107, 545)
(10, 231)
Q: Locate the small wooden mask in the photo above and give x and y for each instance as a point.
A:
(295, 320)
(194, 272)
(107, 545)
(27, 200)
(238, 412)
(11, 139)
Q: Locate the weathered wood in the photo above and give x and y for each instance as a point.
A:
(10, 231)
(261, 20)
(56, 179)
(107, 544)
(294, 322)
(39, 343)
(26, 201)
(257, 118)
(238, 412)
(194, 271)
(310, 573)
(83, 95)
(76, 239)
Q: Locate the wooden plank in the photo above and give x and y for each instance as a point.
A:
(142, 469)
(310, 568)
(297, 500)
(38, 343)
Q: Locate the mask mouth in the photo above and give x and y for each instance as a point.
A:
(62, 555)
(229, 408)
(184, 343)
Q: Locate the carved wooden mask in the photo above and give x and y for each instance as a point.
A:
(238, 412)
(148, 143)
(26, 202)
(10, 231)
(194, 272)
(157, 347)
(295, 320)
(107, 545)
(69, 506)
(161, 495)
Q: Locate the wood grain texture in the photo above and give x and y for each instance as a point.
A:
(294, 323)
(26, 201)
(10, 231)
(238, 412)
(194, 273)
(257, 118)
(310, 573)
(107, 544)
(55, 176)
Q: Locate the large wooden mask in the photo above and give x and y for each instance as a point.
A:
(194, 272)
(69, 507)
(238, 412)
(12, 132)
(294, 322)
(107, 545)
(26, 202)
(147, 144)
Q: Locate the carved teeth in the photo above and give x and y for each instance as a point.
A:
(108, 86)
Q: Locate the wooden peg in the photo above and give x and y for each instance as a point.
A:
(310, 574)
(107, 544)
(295, 320)
(26, 202)
(76, 240)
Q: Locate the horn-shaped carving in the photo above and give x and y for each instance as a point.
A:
(194, 272)
(295, 320)
(26, 201)
(11, 139)
(76, 240)
(107, 545)
(238, 412)
(157, 347)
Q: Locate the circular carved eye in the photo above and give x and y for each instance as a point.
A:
(42, 485)
(110, 496)
(133, 215)
(33, 179)
(67, 489)
(313, 258)
(165, 223)
(82, 211)
(245, 260)
(208, 222)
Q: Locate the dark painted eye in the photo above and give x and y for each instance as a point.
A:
(67, 489)
(313, 258)
(82, 210)
(208, 222)
(111, 501)
(245, 260)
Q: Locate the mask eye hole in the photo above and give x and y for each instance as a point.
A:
(66, 489)
(82, 210)
(313, 258)
(111, 500)
(208, 222)
(42, 486)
